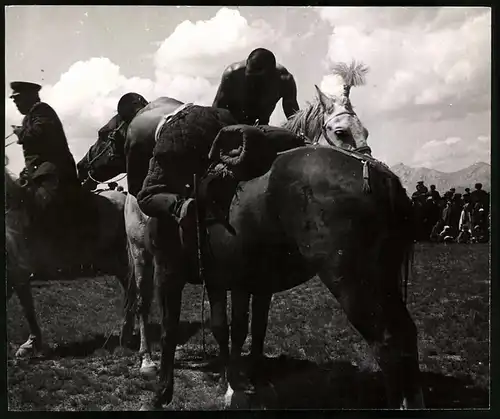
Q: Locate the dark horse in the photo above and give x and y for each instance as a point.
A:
(120, 148)
(308, 215)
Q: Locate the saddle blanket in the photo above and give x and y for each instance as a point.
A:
(167, 117)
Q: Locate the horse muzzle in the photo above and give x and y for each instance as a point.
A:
(364, 150)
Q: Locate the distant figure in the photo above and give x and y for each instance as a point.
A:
(119, 188)
(112, 186)
(465, 235)
(251, 89)
(466, 196)
(479, 195)
(435, 194)
(436, 230)
(446, 236)
(479, 235)
(466, 218)
(431, 216)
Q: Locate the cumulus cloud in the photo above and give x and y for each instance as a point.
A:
(205, 48)
(419, 57)
(187, 66)
(446, 154)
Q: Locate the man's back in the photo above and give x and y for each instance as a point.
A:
(251, 89)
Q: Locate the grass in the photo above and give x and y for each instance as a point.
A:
(316, 359)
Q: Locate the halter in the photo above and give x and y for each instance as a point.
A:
(361, 149)
(111, 138)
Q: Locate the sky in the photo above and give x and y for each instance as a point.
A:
(426, 102)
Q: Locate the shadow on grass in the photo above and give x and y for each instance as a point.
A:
(302, 384)
(89, 346)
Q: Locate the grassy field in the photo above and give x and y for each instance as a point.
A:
(316, 359)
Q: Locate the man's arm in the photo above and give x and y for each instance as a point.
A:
(290, 105)
(39, 118)
(222, 97)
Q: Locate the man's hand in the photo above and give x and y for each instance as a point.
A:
(17, 130)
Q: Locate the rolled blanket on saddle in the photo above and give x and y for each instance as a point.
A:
(245, 152)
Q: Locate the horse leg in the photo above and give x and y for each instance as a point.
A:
(219, 326)
(22, 287)
(143, 268)
(130, 299)
(240, 302)
(169, 284)
(260, 315)
(384, 322)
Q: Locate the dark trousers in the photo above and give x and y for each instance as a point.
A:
(160, 205)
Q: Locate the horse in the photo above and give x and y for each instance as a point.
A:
(130, 150)
(310, 214)
(31, 250)
(334, 129)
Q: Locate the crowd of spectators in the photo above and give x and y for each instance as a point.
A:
(451, 217)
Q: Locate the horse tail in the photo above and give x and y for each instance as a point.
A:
(403, 228)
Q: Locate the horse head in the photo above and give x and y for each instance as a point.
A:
(341, 126)
(331, 120)
(106, 157)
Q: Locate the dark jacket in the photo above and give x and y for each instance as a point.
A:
(50, 167)
(182, 149)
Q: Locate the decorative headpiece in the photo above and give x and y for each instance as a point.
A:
(352, 75)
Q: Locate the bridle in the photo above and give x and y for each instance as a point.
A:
(363, 149)
(111, 139)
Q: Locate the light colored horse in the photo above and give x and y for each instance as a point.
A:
(28, 250)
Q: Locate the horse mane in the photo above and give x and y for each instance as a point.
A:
(308, 121)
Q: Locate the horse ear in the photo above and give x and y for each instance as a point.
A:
(325, 102)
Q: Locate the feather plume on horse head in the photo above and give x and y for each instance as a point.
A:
(352, 74)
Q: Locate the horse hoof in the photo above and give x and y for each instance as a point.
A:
(236, 399)
(148, 370)
(27, 349)
(25, 352)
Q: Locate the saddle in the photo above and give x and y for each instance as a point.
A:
(239, 153)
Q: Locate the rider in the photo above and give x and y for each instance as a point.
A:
(128, 106)
(251, 89)
(181, 151)
(50, 173)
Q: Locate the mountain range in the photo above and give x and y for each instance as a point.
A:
(461, 179)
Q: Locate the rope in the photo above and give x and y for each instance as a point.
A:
(200, 265)
(108, 182)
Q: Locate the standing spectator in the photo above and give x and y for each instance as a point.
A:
(466, 218)
(479, 195)
(112, 186)
(431, 216)
(466, 195)
(435, 194)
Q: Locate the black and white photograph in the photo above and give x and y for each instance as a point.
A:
(247, 208)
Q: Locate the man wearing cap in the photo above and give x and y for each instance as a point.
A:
(50, 172)
(251, 89)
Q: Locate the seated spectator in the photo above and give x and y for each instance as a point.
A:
(436, 230)
(464, 236)
(446, 235)
(479, 235)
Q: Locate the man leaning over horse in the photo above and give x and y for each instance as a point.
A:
(50, 173)
(251, 89)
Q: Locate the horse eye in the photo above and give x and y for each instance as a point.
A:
(340, 132)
